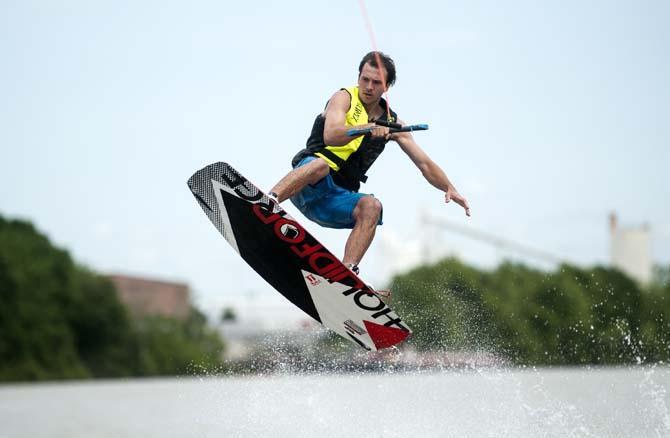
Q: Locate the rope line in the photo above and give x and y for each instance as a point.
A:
(380, 66)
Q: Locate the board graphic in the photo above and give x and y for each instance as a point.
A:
(281, 251)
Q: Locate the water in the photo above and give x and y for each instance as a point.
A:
(620, 402)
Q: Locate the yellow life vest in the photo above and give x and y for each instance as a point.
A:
(348, 163)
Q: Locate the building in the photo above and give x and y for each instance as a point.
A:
(145, 297)
(630, 250)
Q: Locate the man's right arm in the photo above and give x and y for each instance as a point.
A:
(335, 129)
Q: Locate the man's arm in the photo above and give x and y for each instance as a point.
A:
(429, 169)
(335, 130)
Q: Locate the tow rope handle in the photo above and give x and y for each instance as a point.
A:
(393, 127)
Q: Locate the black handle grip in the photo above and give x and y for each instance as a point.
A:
(388, 124)
(409, 128)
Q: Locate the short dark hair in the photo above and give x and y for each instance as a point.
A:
(389, 65)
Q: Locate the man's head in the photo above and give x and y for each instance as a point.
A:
(374, 58)
(371, 78)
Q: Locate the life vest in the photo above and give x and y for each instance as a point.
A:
(349, 162)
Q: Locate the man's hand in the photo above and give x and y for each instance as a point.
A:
(452, 194)
(379, 131)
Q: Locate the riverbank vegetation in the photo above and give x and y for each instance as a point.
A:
(570, 316)
(59, 320)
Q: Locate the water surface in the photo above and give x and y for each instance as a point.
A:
(620, 402)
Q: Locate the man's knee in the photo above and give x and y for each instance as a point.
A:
(368, 207)
(318, 169)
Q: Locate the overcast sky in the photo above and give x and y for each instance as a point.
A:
(547, 116)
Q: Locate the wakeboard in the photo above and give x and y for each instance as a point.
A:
(290, 259)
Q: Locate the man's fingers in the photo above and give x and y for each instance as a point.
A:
(459, 200)
(466, 207)
(381, 131)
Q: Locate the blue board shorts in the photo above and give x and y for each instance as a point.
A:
(326, 203)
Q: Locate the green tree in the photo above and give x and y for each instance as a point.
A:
(101, 326)
(167, 346)
(444, 305)
(228, 315)
(654, 336)
(36, 341)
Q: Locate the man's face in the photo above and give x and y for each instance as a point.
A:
(370, 84)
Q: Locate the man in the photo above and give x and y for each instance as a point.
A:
(326, 175)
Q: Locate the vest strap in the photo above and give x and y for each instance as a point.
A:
(345, 170)
(332, 157)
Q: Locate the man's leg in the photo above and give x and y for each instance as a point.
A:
(298, 178)
(366, 215)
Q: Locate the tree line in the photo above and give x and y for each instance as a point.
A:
(572, 316)
(59, 320)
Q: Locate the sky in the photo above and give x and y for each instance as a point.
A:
(547, 116)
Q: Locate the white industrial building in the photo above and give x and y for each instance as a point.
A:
(630, 250)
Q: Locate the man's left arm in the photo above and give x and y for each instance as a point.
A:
(429, 169)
